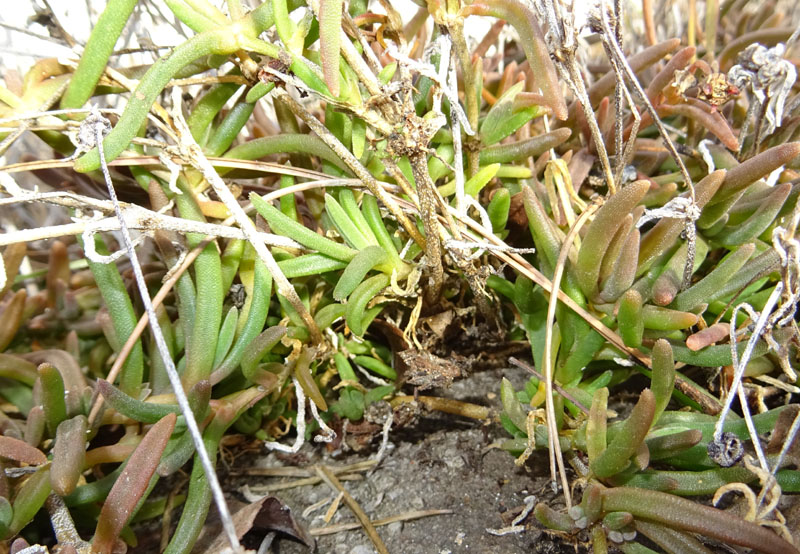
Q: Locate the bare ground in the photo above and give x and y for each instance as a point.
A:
(442, 462)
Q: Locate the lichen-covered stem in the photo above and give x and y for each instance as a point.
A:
(427, 208)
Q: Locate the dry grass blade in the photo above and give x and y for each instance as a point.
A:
(303, 472)
(366, 523)
(406, 516)
(552, 427)
(303, 482)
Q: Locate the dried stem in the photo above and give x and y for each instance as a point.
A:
(552, 427)
(363, 518)
(427, 207)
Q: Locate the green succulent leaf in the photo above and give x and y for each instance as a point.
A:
(511, 405)
(366, 260)
(522, 150)
(663, 378)
(285, 226)
(629, 319)
(360, 297)
(498, 211)
(710, 285)
(616, 457)
(29, 500)
(601, 231)
(351, 231)
(503, 119)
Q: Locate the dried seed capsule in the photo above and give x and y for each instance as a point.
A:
(727, 450)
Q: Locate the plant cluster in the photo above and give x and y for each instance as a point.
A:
(407, 190)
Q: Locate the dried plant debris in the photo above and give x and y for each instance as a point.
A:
(308, 224)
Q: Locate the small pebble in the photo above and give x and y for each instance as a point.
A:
(362, 549)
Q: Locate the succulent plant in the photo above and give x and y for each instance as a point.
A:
(288, 260)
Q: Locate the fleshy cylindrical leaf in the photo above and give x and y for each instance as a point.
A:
(330, 28)
(680, 513)
(52, 388)
(601, 231)
(627, 441)
(532, 39)
(661, 238)
(705, 289)
(757, 167)
(30, 499)
(630, 324)
(131, 485)
(663, 378)
(69, 454)
(596, 425)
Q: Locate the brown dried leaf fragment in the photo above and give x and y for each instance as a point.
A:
(426, 371)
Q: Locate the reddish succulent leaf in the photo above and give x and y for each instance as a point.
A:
(711, 121)
(708, 336)
(330, 27)
(532, 40)
(757, 167)
(15, 367)
(624, 270)
(601, 231)
(70, 370)
(10, 318)
(679, 61)
(131, 485)
(767, 37)
(529, 99)
(12, 258)
(20, 451)
(69, 454)
(644, 59)
(57, 270)
(35, 425)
